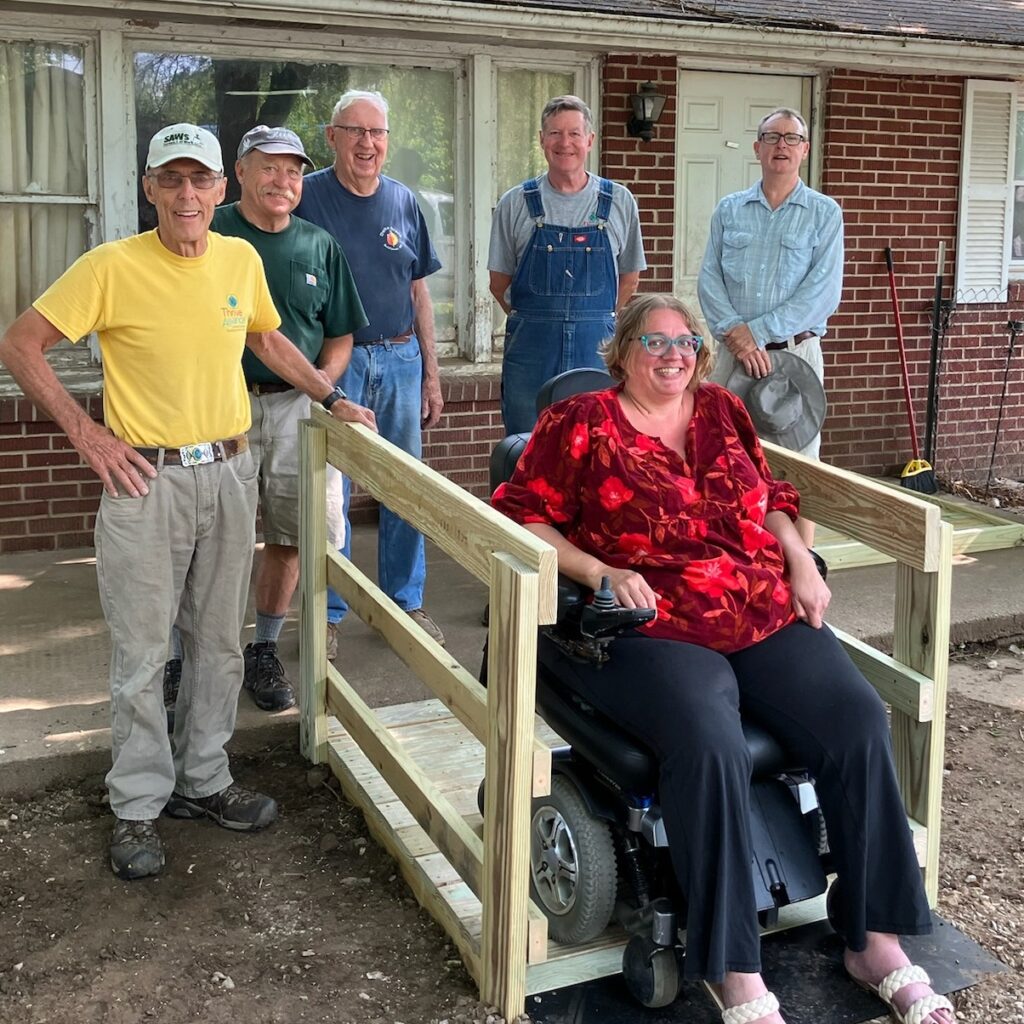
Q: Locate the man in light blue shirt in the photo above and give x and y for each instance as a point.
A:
(773, 269)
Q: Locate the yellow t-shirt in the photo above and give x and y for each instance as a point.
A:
(171, 331)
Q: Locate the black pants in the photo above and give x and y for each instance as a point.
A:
(684, 702)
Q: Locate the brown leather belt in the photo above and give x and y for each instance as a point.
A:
(398, 339)
(797, 338)
(197, 454)
(258, 388)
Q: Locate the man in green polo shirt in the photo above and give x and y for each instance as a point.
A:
(313, 290)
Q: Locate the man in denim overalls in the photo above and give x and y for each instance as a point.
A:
(565, 255)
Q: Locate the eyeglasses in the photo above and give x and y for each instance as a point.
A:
(173, 179)
(660, 344)
(791, 138)
(353, 131)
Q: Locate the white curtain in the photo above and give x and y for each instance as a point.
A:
(42, 152)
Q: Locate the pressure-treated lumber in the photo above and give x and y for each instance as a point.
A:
(895, 523)
(414, 769)
(312, 591)
(468, 531)
(921, 640)
(511, 670)
(452, 683)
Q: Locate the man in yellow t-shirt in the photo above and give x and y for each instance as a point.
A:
(173, 309)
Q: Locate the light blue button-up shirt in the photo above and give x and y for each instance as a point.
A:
(778, 271)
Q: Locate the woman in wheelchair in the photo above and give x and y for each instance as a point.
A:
(660, 484)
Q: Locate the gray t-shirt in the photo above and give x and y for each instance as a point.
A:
(512, 226)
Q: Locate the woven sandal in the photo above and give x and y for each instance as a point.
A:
(746, 1013)
(918, 1011)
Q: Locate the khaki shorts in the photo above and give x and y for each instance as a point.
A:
(274, 440)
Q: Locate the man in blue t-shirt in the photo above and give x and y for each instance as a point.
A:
(393, 369)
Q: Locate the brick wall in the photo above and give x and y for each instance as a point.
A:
(49, 497)
(892, 160)
(647, 169)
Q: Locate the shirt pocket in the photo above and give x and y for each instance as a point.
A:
(797, 252)
(307, 288)
(736, 253)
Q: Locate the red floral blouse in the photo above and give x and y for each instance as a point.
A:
(693, 526)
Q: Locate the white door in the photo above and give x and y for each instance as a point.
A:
(718, 117)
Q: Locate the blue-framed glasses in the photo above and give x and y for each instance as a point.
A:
(660, 344)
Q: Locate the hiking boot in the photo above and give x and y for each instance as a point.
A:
(135, 849)
(172, 680)
(332, 641)
(427, 624)
(235, 807)
(265, 679)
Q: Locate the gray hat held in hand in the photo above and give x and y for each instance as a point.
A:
(788, 406)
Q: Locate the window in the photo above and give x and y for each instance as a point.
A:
(991, 200)
(522, 95)
(45, 207)
(229, 96)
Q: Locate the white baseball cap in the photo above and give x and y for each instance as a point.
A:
(185, 142)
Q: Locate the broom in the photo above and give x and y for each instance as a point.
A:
(917, 474)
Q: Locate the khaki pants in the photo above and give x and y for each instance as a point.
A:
(186, 545)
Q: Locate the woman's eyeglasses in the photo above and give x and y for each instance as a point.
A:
(659, 344)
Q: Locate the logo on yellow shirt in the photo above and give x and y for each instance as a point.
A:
(234, 318)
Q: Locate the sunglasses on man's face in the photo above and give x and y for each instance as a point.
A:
(659, 344)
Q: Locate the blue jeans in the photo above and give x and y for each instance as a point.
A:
(537, 349)
(388, 379)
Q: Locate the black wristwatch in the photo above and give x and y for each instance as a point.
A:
(330, 399)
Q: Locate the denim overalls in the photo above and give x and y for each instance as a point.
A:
(563, 306)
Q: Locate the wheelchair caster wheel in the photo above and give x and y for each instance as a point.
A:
(833, 909)
(651, 972)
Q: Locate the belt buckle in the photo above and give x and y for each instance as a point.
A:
(197, 454)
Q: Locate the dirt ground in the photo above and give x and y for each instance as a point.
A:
(309, 920)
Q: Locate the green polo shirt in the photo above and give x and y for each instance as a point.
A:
(309, 280)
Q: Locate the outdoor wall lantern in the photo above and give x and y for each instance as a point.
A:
(648, 104)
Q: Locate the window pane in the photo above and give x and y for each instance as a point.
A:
(42, 119)
(230, 96)
(522, 95)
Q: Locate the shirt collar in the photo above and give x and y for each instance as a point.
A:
(755, 194)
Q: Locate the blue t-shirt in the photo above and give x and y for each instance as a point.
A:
(385, 240)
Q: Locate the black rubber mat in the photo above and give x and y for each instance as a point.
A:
(802, 967)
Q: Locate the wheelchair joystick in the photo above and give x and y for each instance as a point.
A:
(586, 630)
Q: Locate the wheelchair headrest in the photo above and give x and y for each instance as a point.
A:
(572, 382)
(506, 453)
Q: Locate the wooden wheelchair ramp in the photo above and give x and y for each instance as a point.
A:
(413, 769)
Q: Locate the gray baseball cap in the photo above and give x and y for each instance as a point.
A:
(273, 140)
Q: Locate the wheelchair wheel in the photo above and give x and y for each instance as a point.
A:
(651, 972)
(833, 909)
(572, 865)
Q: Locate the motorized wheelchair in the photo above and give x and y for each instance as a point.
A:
(598, 848)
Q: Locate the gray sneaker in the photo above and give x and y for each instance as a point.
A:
(234, 807)
(135, 849)
(332, 641)
(427, 624)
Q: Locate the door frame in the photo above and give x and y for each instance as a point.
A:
(813, 86)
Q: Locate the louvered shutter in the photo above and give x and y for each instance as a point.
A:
(986, 191)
